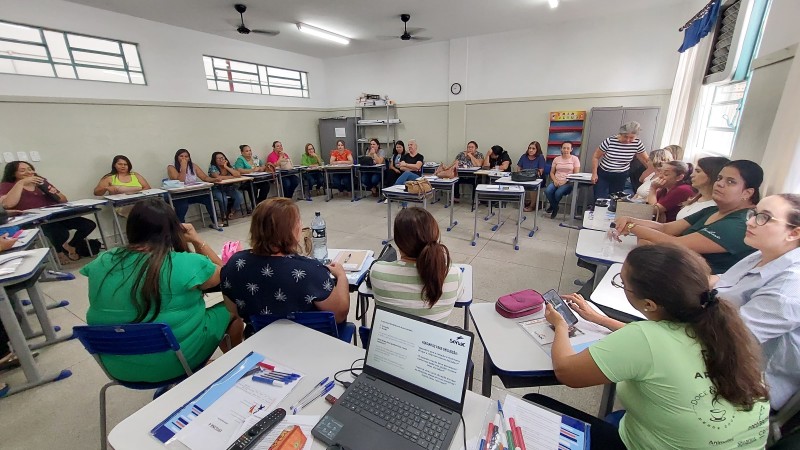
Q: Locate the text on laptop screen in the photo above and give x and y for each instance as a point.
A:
(428, 356)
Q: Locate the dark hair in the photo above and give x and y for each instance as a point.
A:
(752, 174)
(497, 150)
(241, 147)
(473, 143)
(538, 147)
(214, 160)
(305, 149)
(273, 143)
(342, 141)
(272, 227)
(416, 234)
(10, 171)
(680, 168)
(401, 144)
(190, 166)
(375, 140)
(712, 165)
(794, 215)
(114, 163)
(731, 355)
(153, 231)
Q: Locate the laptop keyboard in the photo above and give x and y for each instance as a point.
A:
(424, 428)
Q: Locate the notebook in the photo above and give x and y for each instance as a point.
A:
(352, 260)
(411, 393)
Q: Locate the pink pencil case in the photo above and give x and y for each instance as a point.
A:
(519, 304)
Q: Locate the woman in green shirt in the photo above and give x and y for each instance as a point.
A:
(689, 377)
(156, 278)
(247, 162)
(313, 178)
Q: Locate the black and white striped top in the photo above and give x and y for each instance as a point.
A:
(618, 156)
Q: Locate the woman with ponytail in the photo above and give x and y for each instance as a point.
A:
(423, 282)
(156, 278)
(689, 376)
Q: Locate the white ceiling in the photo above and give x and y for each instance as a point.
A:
(364, 20)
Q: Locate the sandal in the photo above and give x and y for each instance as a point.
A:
(528, 208)
(11, 361)
(73, 256)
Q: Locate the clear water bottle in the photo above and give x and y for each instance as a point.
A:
(610, 241)
(319, 240)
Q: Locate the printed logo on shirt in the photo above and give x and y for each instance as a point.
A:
(709, 411)
(711, 233)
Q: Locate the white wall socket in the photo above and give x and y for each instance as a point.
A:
(8, 157)
(35, 156)
(22, 156)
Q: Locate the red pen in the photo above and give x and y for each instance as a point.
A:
(266, 366)
(488, 435)
(521, 439)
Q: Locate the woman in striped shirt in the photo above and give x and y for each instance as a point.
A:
(423, 281)
(612, 160)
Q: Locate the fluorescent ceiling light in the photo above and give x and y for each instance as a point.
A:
(320, 33)
(553, 3)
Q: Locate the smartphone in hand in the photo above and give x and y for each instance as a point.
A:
(561, 306)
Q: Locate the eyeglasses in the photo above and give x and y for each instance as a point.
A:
(617, 282)
(763, 218)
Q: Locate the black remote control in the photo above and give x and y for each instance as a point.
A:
(251, 437)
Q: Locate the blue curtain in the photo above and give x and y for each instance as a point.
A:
(700, 27)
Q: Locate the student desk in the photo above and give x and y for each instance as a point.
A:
(28, 268)
(529, 186)
(399, 194)
(354, 279)
(590, 249)
(377, 168)
(296, 171)
(514, 356)
(69, 210)
(613, 298)
(311, 352)
(118, 200)
(340, 168)
(430, 167)
(264, 177)
(194, 190)
(448, 185)
(25, 240)
(577, 179)
(497, 193)
(593, 222)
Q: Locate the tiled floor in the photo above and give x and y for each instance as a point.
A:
(65, 414)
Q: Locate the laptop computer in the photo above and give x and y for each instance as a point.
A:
(411, 392)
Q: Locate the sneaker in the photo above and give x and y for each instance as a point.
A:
(548, 210)
(386, 201)
(554, 213)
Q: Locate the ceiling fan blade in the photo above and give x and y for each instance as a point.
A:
(416, 30)
(266, 32)
(420, 38)
(387, 38)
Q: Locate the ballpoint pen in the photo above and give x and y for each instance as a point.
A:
(347, 259)
(271, 381)
(506, 426)
(328, 387)
(317, 386)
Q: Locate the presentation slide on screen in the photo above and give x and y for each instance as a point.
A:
(428, 356)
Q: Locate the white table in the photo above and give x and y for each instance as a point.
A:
(354, 278)
(194, 190)
(264, 177)
(594, 222)
(26, 239)
(446, 185)
(497, 193)
(529, 186)
(313, 353)
(430, 167)
(398, 194)
(611, 297)
(65, 211)
(31, 262)
(577, 179)
(514, 356)
(118, 200)
(590, 249)
(340, 168)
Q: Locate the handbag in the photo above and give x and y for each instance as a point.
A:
(446, 173)
(389, 254)
(525, 175)
(519, 304)
(306, 245)
(229, 249)
(285, 163)
(418, 186)
(366, 160)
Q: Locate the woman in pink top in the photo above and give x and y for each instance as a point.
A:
(669, 189)
(561, 166)
(281, 160)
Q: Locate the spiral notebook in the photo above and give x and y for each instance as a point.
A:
(352, 260)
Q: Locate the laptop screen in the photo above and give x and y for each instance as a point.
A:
(420, 353)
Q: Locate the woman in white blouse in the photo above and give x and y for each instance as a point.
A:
(657, 158)
(766, 288)
(703, 178)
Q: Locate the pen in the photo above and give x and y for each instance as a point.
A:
(488, 436)
(347, 259)
(268, 381)
(321, 383)
(501, 427)
(275, 377)
(506, 426)
(328, 388)
(517, 432)
(482, 444)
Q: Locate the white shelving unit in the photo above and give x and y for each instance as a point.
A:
(370, 121)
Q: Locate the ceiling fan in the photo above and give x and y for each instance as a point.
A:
(242, 29)
(407, 33)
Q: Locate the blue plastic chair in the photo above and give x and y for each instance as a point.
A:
(129, 339)
(322, 321)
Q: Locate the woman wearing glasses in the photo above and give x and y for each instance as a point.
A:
(717, 233)
(765, 286)
(689, 376)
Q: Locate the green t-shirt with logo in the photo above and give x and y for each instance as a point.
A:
(669, 401)
(727, 232)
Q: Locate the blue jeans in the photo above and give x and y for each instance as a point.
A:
(313, 180)
(182, 205)
(406, 176)
(609, 183)
(290, 183)
(221, 194)
(555, 194)
(341, 181)
(370, 180)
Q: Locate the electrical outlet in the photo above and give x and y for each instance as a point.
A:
(35, 156)
(8, 156)
(22, 156)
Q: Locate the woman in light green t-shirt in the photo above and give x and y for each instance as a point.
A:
(689, 377)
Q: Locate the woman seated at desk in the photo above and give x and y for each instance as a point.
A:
(394, 171)
(497, 159)
(670, 189)
(247, 162)
(703, 177)
(156, 278)
(312, 178)
(423, 282)
(22, 189)
(220, 169)
(122, 179)
(371, 180)
(562, 166)
(410, 164)
(765, 286)
(271, 278)
(689, 376)
(186, 171)
(341, 157)
(281, 160)
(718, 232)
(470, 157)
(657, 158)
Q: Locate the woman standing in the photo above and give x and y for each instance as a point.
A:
(122, 179)
(423, 282)
(371, 180)
(187, 172)
(612, 160)
(765, 286)
(394, 172)
(689, 376)
(156, 278)
(247, 162)
(281, 160)
(341, 156)
(670, 189)
(312, 178)
(220, 169)
(562, 166)
(22, 188)
(703, 178)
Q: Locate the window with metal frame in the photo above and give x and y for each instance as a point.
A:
(236, 76)
(718, 112)
(29, 50)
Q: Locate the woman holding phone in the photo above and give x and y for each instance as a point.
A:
(22, 188)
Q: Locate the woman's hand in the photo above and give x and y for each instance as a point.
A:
(622, 225)
(6, 242)
(657, 183)
(337, 270)
(582, 307)
(32, 181)
(594, 178)
(190, 234)
(554, 317)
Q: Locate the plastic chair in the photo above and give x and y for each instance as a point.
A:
(129, 339)
(322, 321)
(782, 417)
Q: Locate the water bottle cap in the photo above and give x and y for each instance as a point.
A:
(612, 225)
(316, 213)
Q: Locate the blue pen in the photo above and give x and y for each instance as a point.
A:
(275, 377)
(321, 383)
(328, 388)
(268, 381)
(482, 444)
